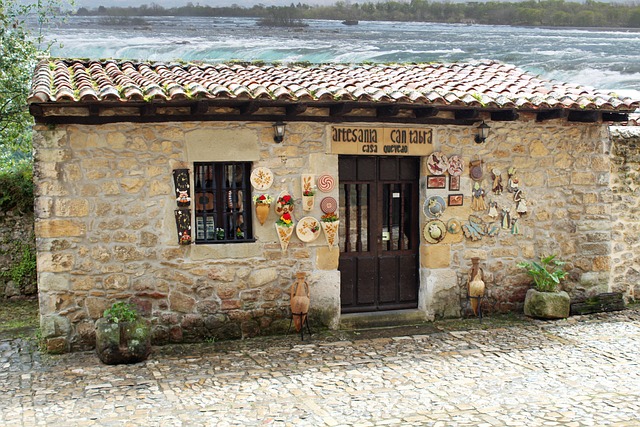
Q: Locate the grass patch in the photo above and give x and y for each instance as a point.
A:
(18, 318)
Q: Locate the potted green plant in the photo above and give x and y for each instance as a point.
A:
(544, 300)
(122, 335)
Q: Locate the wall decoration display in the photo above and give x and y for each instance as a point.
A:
(493, 228)
(513, 183)
(454, 226)
(437, 163)
(455, 200)
(308, 192)
(182, 186)
(496, 176)
(477, 198)
(521, 202)
(326, 183)
(284, 229)
(493, 209)
(261, 178)
(328, 205)
(456, 166)
(183, 225)
(263, 205)
(506, 218)
(284, 203)
(515, 226)
(475, 170)
(330, 225)
(436, 181)
(454, 183)
(474, 229)
(308, 229)
(434, 207)
(434, 231)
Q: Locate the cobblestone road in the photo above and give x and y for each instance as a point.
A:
(580, 372)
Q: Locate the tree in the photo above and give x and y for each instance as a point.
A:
(20, 47)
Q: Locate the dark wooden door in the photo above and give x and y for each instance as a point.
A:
(379, 235)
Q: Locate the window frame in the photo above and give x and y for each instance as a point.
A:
(220, 200)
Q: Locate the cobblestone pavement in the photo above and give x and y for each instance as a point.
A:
(584, 371)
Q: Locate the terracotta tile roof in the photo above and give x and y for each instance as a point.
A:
(491, 85)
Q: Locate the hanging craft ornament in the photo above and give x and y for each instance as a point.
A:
(521, 202)
(454, 226)
(261, 178)
(474, 229)
(434, 231)
(437, 163)
(496, 175)
(513, 183)
(328, 204)
(434, 207)
(284, 203)
(326, 183)
(284, 229)
(477, 198)
(308, 192)
(456, 165)
(475, 170)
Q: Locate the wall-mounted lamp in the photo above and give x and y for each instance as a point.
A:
(278, 132)
(483, 133)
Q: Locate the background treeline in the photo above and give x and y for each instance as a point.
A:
(528, 13)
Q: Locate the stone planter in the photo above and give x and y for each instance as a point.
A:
(124, 342)
(547, 305)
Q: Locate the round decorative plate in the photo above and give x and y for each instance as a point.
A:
(456, 166)
(437, 163)
(328, 205)
(434, 231)
(434, 207)
(308, 229)
(326, 183)
(453, 226)
(475, 170)
(261, 178)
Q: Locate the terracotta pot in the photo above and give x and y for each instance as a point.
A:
(476, 291)
(262, 212)
(300, 301)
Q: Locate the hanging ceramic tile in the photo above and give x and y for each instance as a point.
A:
(477, 198)
(261, 178)
(434, 207)
(475, 170)
(474, 229)
(434, 231)
(183, 225)
(182, 186)
(326, 183)
(437, 163)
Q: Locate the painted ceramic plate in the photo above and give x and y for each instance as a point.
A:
(280, 208)
(456, 166)
(326, 183)
(475, 170)
(261, 178)
(308, 229)
(328, 205)
(437, 163)
(434, 207)
(454, 226)
(434, 231)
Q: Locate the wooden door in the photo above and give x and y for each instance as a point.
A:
(379, 235)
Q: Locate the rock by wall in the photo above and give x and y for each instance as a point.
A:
(625, 185)
(106, 231)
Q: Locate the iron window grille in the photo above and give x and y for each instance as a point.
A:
(222, 196)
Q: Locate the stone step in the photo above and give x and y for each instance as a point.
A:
(382, 319)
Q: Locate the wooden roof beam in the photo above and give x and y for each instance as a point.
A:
(551, 115)
(466, 114)
(584, 116)
(504, 116)
(388, 111)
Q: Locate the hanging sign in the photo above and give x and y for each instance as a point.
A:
(381, 141)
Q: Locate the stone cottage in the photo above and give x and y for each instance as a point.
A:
(149, 177)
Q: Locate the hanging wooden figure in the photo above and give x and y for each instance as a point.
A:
(183, 226)
(182, 187)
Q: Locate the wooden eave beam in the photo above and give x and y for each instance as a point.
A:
(388, 111)
(296, 109)
(338, 110)
(504, 116)
(422, 113)
(248, 108)
(615, 117)
(584, 116)
(557, 113)
(466, 114)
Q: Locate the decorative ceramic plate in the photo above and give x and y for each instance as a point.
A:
(437, 163)
(261, 178)
(328, 205)
(308, 229)
(456, 166)
(434, 231)
(279, 208)
(454, 226)
(434, 207)
(475, 170)
(326, 183)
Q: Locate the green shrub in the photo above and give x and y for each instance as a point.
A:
(121, 311)
(23, 270)
(16, 188)
(546, 274)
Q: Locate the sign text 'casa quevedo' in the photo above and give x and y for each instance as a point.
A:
(387, 141)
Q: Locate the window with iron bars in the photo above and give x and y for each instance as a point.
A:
(222, 196)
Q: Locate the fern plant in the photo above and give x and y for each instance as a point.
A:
(120, 312)
(546, 274)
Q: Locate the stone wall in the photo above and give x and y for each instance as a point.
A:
(105, 227)
(16, 235)
(625, 184)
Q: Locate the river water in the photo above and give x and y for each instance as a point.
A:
(608, 60)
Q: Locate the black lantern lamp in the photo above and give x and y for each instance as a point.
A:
(483, 133)
(278, 132)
